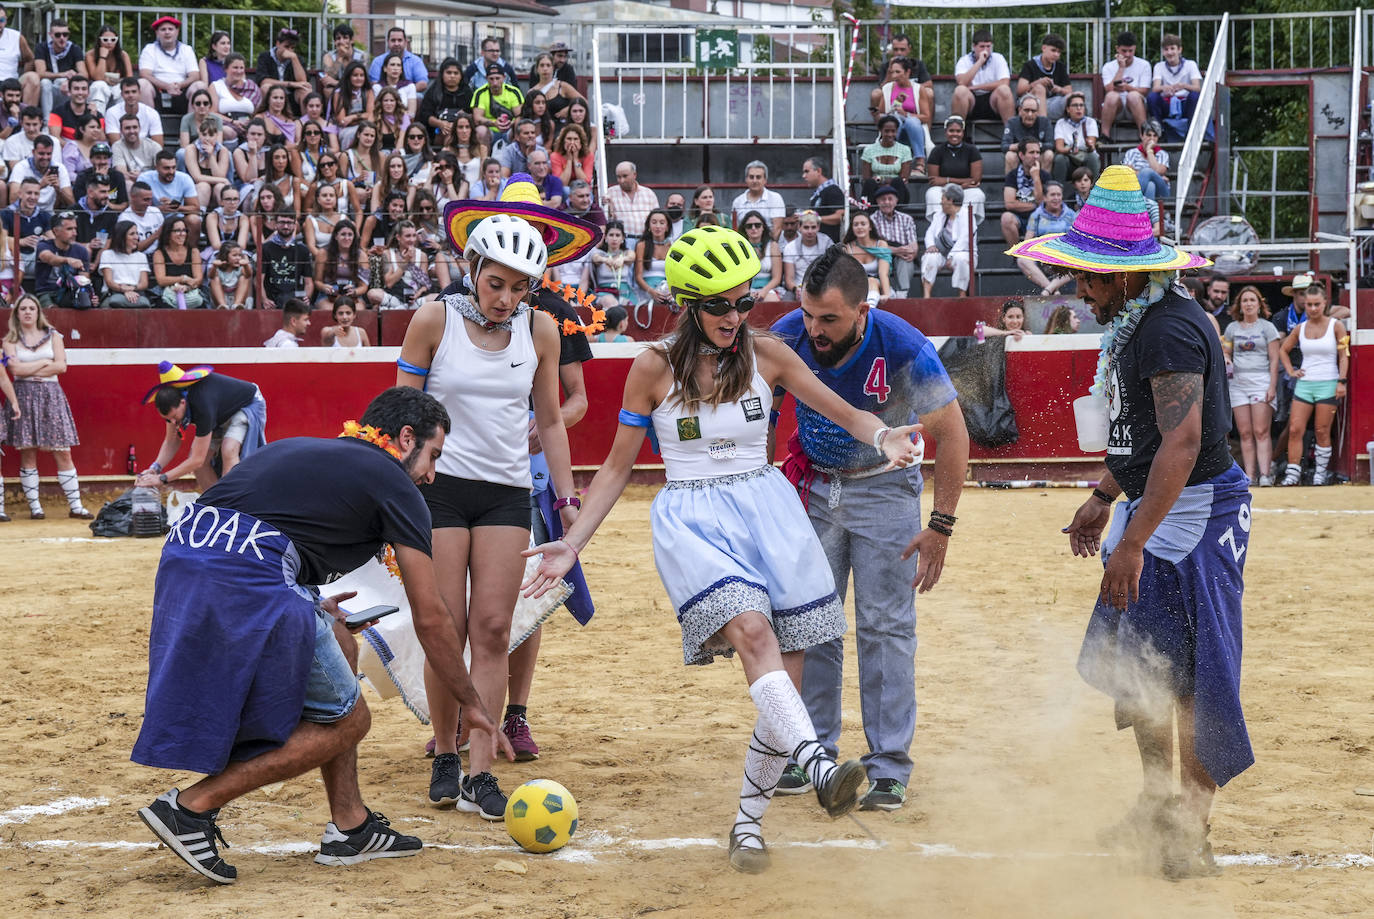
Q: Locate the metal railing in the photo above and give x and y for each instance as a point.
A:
(939, 43)
(1202, 120)
(1258, 175)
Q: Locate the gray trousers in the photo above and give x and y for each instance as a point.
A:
(865, 534)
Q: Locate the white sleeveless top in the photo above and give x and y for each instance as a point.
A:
(1319, 363)
(714, 440)
(44, 352)
(487, 395)
(9, 54)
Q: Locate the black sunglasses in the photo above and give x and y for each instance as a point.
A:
(719, 306)
(753, 226)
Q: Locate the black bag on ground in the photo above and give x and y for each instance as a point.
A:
(116, 518)
(979, 374)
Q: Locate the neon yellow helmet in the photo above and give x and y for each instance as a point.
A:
(709, 260)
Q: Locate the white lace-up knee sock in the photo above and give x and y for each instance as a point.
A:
(28, 480)
(783, 709)
(1323, 460)
(71, 487)
(1292, 474)
(763, 766)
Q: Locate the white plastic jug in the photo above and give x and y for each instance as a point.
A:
(176, 503)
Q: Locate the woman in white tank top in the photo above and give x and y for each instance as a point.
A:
(1325, 346)
(733, 545)
(485, 356)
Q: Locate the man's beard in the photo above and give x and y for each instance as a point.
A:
(838, 349)
(410, 461)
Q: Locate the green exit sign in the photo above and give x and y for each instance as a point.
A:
(717, 49)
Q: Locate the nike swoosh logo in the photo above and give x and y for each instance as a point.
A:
(516, 363)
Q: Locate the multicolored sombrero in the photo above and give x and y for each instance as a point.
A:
(169, 374)
(1111, 233)
(567, 237)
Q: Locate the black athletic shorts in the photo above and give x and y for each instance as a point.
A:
(455, 502)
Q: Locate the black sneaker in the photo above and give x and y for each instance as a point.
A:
(884, 795)
(482, 796)
(191, 837)
(840, 793)
(375, 839)
(445, 780)
(794, 781)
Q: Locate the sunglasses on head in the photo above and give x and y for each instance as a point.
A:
(719, 306)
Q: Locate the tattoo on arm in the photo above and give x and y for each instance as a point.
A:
(1176, 395)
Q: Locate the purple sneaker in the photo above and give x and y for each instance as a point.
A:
(517, 731)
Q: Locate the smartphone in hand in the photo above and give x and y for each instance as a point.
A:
(354, 620)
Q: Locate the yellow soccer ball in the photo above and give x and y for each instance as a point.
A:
(541, 816)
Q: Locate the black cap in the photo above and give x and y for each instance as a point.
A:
(494, 67)
(101, 148)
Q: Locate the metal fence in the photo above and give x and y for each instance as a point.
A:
(1264, 177)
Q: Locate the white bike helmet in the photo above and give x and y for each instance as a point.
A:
(509, 241)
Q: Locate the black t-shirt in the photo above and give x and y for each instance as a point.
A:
(1023, 183)
(1015, 132)
(119, 191)
(954, 162)
(1173, 336)
(89, 224)
(269, 68)
(64, 114)
(574, 348)
(1032, 71)
(825, 201)
(45, 275)
(285, 268)
(211, 402)
(337, 499)
(62, 63)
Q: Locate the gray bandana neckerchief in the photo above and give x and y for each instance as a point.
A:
(468, 310)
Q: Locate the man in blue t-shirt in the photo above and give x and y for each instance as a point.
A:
(868, 518)
(174, 193)
(250, 672)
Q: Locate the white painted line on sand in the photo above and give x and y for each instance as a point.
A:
(1311, 511)
(26, 812)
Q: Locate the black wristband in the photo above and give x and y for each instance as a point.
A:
(943, 529)
(1102, 496)
(948, 519)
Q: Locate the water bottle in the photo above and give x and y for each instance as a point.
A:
(181, 299)
(979, 332)
(133, 461)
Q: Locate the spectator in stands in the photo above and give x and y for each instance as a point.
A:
(352, 103)
(827, 198)
(676, 207)
(149, 122)
(536, 108)
(63, 265)
(235, 97)
(167, 67)
(1075, 141)
(768, 282)
(651, 252)
(1175, 85)
(475, 74)
(983, 90)
(393, 77)
(947, 242)
(343, 333)
(885, 162)
(287, 267)
(336, 61)
(702, 211)
(627, 200)
(33, 222)
(873, 253)
(12, 95)
(277, 175)
(340, 267)
(321, 219)
(791, 226)
(495, 105)
(617, 321)
(231, 277)
(445, 182)
(954, 162)
(20, 145)
(295, 320)
(275, 113)
(1150, 163)
(899, 98)
(262, 221)
(312, 114)
(1252, 354)
(551, 190)
(1219, 299)
(544, 78)
(569, 159)
(489, 188)
(415, 151)
(1321, 382)
(1052, 216)
(54, 182)
(610, 261)
(188, 131)
(178, 270)
(124, 268)
(394, 180)
(562, 67)
(405, 268)
(579, 113)
(901, 48)
(444, 101)
(1028, 125)
(413, 67)
(798, 254)
(68, 116)
(57, 60)
(1046, 78)
(757, 196)
(1023, 190)
(144, 215)
(250, 158)
(514, 157)
(173, 191)
(212, 64)
(327, 173)
(1083, 180)
(281, 66)
(1126, 81)
(1063, 321)
(467, 151)
(900, 232)
(1011, 320)
(106, 64)
(580, 204)
(95, 220)
(101, 167)
(226, 223)
(313, 148)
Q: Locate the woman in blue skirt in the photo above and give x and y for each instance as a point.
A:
(732, 543)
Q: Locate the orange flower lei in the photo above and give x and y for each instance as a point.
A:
(389, 559)
(577, 297)
(371, 435)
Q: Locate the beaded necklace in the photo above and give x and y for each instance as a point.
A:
(1123, 326)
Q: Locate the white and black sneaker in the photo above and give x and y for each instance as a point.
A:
(190, 836)
(374, 839)
(482, 796)
(445, 780)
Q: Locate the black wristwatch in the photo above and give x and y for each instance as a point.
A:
(162, 477)
(1342, 380)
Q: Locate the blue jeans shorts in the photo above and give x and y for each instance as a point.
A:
(332, 690)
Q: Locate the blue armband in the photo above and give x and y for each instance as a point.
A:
(634, 419)
(408, 367)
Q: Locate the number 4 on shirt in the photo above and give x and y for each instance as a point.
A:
(876, 384)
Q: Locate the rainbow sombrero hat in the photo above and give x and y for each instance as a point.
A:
(169, 374)
(567, 237)
(1111, 233)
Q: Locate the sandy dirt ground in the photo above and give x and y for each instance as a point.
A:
(1017, 762)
